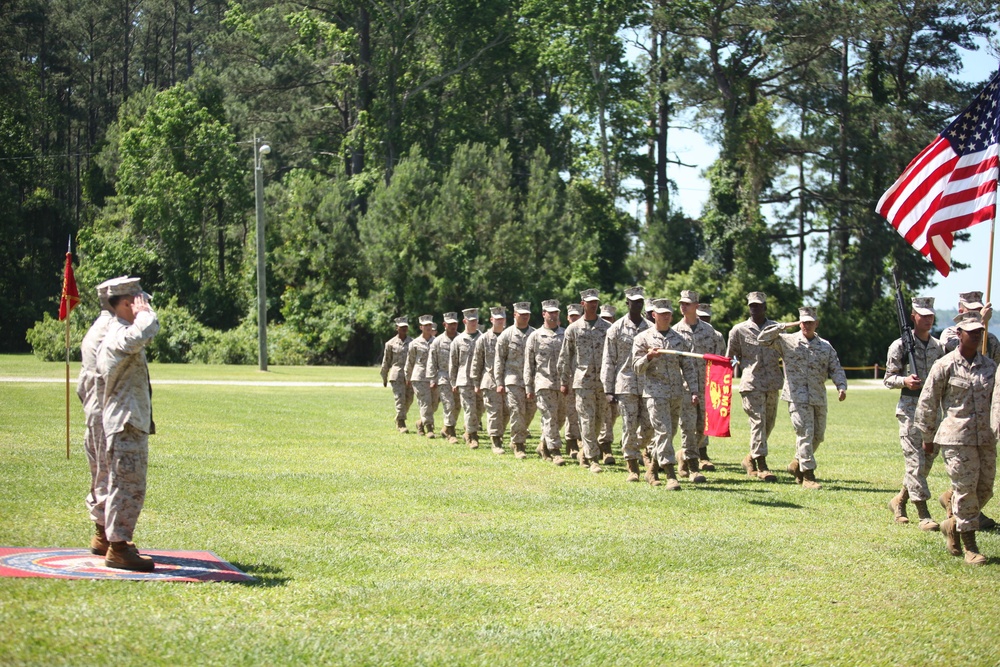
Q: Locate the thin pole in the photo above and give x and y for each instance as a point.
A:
(67, 387)
(989, 275)
(258, 181)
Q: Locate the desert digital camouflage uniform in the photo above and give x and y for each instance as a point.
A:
(949, 339)
(541, 378)
(760, 381)
(917, 464)
(508, 372)
(663, 380)
(702, 338)
(580, 363)
(394, 372)
(497, 414)
(438, 370)
(572, 430)
(419, 377)
(127, 419)
(91, 395)
(958, 411)
(619, 377)
(808, 364)
(460, 375)
(607, 435)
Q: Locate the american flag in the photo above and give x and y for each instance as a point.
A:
(952, 184)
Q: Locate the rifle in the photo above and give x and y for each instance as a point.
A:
(905, 330)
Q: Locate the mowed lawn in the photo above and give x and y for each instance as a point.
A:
(372, 547)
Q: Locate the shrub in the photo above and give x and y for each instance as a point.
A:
(48, 337)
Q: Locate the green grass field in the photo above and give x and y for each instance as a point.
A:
(372, 547)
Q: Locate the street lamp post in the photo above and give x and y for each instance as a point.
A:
(260, 149)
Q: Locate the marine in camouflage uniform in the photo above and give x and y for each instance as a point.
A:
(621, 384)
(573, 312)
(460, 375)
(702, 339)
(127, 419)
(541, 380)
(951, 413)
(394, 371)
(606, 438)
(418, 376)
(760, 383)
(497, 414)
(508, 371)
(580, 366)
(437, 368)
(809, 361)
(917, 464)
(973, 301)
(664, 377)
(92, 398)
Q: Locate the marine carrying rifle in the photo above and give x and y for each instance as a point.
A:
(905, 330)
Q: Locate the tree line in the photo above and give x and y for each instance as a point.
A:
(430, 156)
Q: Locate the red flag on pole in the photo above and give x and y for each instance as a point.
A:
(952, 184)
(70, 295)
(718, 394)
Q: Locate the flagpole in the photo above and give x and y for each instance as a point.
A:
(69, 250)
(989, 274)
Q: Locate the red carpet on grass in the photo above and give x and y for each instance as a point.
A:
(81, 564)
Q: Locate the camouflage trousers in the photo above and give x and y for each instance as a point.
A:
(664, 414)
(404, 399)
(761, 408)
(472, 408)
(522, 410)
(693, 425)
(637, 432)
(809, 422)
(95, 447)
(917, 464)
(127, 454)
(552, 407)
(427, 401)
(572, 417)
(449, 403)
(607, 434)
(497, 414)
(972, 470)
(591, 405)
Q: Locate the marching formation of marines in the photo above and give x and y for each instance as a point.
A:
(641, 367)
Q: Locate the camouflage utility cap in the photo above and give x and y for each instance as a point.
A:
(923, 305)
(471, 314)
(607, 310)
(590, 295)
(402, 322)
(635, 293)
(970, 320)
(498, 313)
(689, 296)
(807, 314)
(574, 309)
(663, 306)
(551, 305)
(971, 300)
(756, 297)
(426, 319)
(704, 310)
(522, 307)
(451, 318)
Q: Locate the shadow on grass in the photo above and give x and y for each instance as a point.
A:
(855, 486)
(267, 576)
(775, 503)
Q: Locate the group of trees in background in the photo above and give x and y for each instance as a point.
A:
(431, 156)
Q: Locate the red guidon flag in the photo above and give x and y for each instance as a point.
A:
(70, 295)
(718, 395)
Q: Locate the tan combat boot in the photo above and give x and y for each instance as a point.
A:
(518, 448)
(557, 458)
(748, 466)
(608, 458)
(764, 474)
(452, 436)
(694, 473)
(926, 522)
(897, 505)
(945, 501)
(672, 483)
(420, 428)
(472, 440)
(682, 469)
(652, 470)
(704, 461)
(951, 536)
(543, 452)
(401, 426)
(124, 556)
(809, 480)
(99, 542)
(972, 555)
(497, 441)
(572, 447)
(429, 430)
(633, 470)
(793, 468)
